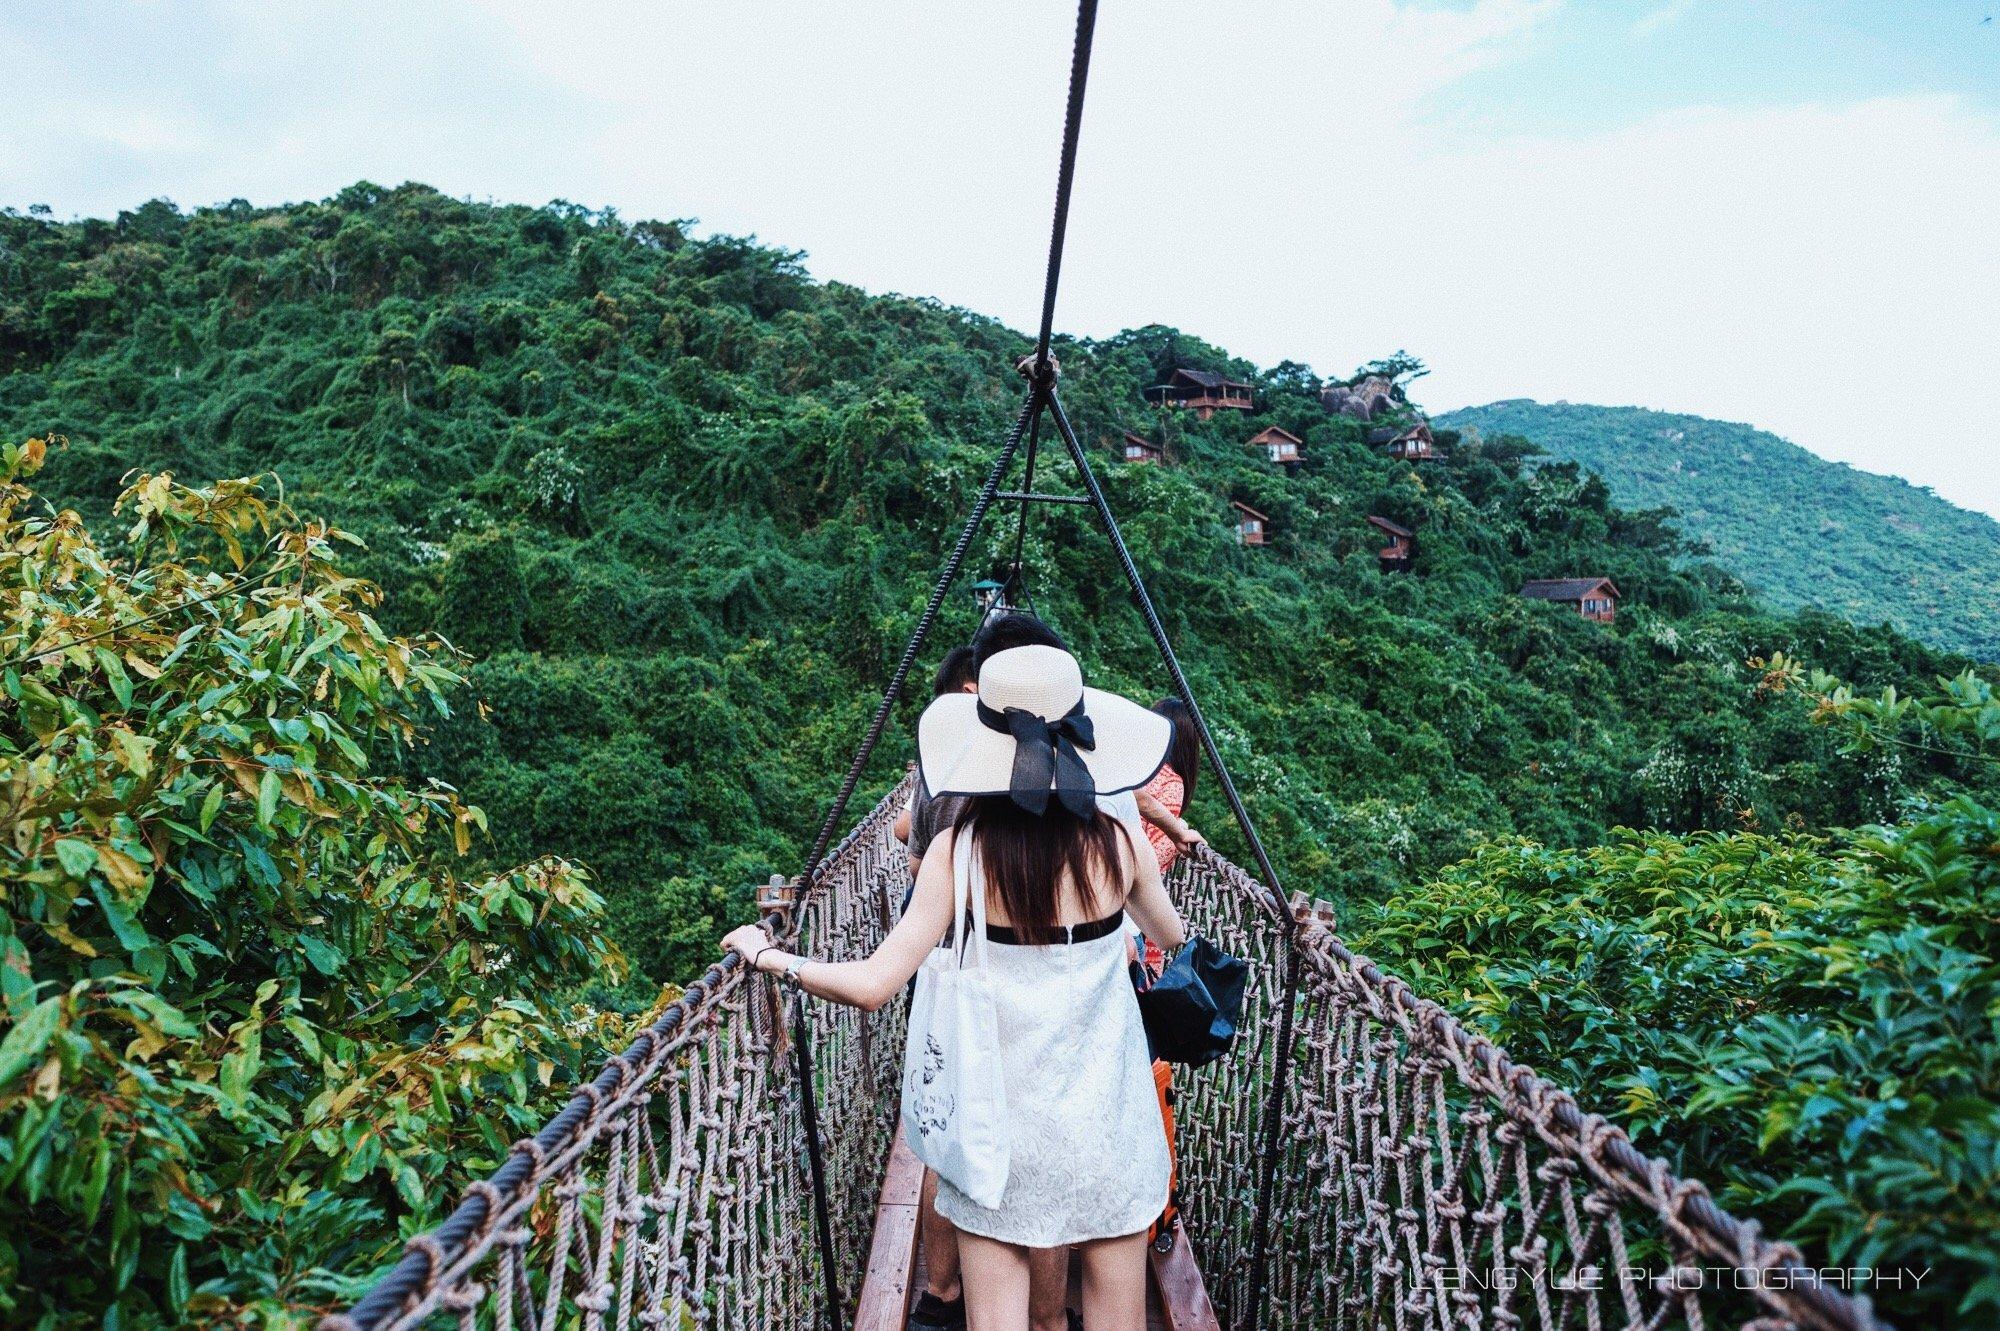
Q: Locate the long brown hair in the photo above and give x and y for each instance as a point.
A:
(1184, 749)
(1027, 856)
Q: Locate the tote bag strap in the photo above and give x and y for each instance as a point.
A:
(968, 896)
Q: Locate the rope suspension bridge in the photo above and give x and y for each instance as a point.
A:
(1423, 1179)
(1362, 1160)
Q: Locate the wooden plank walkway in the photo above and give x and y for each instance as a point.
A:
(889, 1287)
(1176, 1298)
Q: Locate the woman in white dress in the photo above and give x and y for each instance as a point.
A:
(1088, 1164)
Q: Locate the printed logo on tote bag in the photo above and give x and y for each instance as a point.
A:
(930, 1109)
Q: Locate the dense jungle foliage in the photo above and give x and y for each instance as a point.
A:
(681, 505)
(1870, 548)
(256, 1004)
(1809, 1024)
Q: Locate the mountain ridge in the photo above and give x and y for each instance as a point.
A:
(1800, 529)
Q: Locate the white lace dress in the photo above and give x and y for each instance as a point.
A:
(1088, 1149)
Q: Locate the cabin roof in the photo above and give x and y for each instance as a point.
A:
(1421, 430)
(1132, 437)
(1206, 378)
(1565, 589)
(1273, 434)
(1248, 511)
(1393, 528)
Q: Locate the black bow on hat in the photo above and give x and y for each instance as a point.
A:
(1045, 753)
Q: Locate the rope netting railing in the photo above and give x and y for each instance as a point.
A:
(673, 1191)
(1423, 1180)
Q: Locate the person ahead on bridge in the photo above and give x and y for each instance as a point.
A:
(1088, 1163)
(1162, 799)
(958, 672)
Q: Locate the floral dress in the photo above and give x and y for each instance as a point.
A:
(1168, 788)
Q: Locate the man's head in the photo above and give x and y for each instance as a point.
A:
(955, 674)
(1017, 628)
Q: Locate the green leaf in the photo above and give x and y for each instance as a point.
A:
(211, 805)
(325, 957)
(131, 935)
(24, 1045)
(170, 1019)
(93, 1188)
(268, 791)
(303, 1032)
(78, 857)
(137, 751)
(114, 674)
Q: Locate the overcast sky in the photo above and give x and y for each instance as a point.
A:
(1776, 211)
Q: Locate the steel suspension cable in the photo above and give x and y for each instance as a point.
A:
(1041, 375)
(1079, 75)
(1042, 368)
(1027, 488)
(1275, 900)
(879, 723)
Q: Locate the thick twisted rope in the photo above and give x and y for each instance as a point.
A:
(1575, 1139)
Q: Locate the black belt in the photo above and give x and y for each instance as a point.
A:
(1061, 933)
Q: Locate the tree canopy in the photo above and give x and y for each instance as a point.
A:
(257, 1009)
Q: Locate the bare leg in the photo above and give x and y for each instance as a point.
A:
(996, 1284)
(940, 1243)
(1048, 1289)
(1114, 1283)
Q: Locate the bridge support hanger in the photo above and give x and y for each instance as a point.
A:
(1042, 373)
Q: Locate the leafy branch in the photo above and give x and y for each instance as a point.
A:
(1963, 708)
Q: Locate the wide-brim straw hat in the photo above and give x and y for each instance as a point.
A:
(971, 744)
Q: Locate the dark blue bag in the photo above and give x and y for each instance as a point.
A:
(1193, 1010)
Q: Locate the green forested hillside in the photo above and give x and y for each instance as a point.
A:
(1798, 529)
(679, 505)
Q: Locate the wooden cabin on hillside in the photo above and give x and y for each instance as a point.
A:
(1401, 551)
(1250, 524)
(1414, 444)
(1284, 448)
(1594, 598)
(1137, 448)
(1202, 392)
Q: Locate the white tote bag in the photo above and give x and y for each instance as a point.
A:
(954, 1100)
